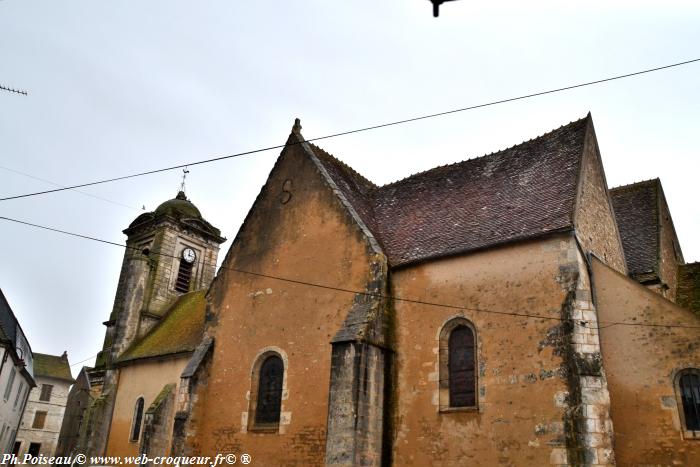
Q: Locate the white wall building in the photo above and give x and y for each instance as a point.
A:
(43, 416)
(16, 379)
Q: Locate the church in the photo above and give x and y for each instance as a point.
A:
(504, 310)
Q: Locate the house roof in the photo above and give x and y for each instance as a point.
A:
(637, 213)
(520, 192)
(180, 330)
(8, 322)
(52, 366)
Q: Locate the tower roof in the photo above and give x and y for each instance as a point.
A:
(180, 209)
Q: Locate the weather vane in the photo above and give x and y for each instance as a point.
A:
(184, 176)
(436, 6)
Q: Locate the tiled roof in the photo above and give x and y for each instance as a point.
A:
(637, 213)
(179, 331)
(52, 366)
(517, 193)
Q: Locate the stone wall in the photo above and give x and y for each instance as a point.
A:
(670, 255)
(641, 363)
(145, 379)
(536, 403)
(55, 408)
(688, 295)
(77, 403)
(356, 405)
(158, 424)
(596, 227)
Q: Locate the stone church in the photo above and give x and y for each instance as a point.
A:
(505, 310)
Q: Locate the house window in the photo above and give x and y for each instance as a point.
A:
(688, 386)
(46, 392)
(10, 382)
(138, 417)
(457, 365)
(39, 419)
(34, 449)
(20, 388)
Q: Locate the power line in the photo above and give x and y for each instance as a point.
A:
(358, 130)
(358, 292)
(83, 361)
(24, 174)
(16, 91)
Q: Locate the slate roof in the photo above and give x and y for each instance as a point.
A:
(179, 331)
(52, 366)
(8, 322)
(517, 193)
(636, 209)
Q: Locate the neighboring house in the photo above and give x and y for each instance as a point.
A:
(15, 375)
(81, 395)
(43, 416)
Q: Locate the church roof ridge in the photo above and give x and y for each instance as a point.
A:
(455, 208)
(493, 153)
(656, 181)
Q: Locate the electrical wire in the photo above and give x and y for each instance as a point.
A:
(358, 292)
(358, 130)
(16, 91)
(24, 174)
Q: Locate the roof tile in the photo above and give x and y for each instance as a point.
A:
(637, 213)
(52, 366)
(520, 192)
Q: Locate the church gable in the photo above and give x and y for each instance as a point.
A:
(596, 228)
(302, 229)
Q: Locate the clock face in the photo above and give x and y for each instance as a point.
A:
(189, 255)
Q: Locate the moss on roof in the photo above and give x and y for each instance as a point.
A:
(180, 330)
(178, 207)
(181, 209)
(52, 366)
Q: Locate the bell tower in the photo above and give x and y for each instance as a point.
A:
(170, 251)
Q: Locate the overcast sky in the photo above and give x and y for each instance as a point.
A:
(123, 87)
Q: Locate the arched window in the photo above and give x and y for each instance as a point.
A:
(138, 417)
(689, 392)
(461, 367)
(457, 364)
(269, 400)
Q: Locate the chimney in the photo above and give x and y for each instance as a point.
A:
(65, 355)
